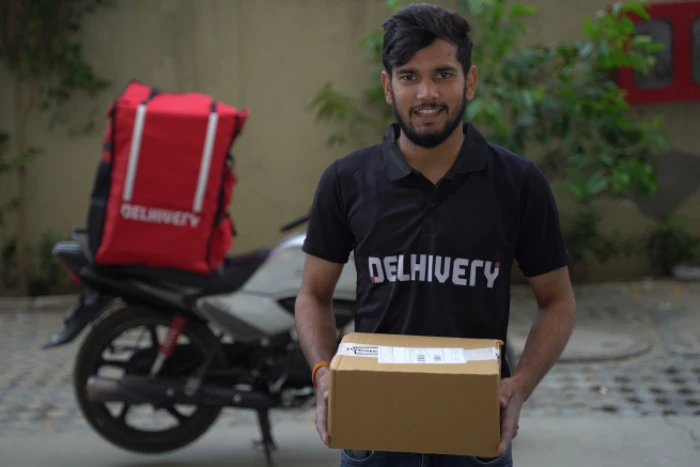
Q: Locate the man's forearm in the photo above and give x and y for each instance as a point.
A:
(547, 339)
(315, 325)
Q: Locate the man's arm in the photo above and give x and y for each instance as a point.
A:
(315, 322)
(544, 259)
(328, 244)
(550, 331)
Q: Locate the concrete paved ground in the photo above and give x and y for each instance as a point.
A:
(626, 393)
(543, 442)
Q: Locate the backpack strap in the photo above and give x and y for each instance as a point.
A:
(136, 136)
(207, 153)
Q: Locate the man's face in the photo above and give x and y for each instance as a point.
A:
(429, 93)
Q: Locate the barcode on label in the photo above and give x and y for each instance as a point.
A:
(396, 355)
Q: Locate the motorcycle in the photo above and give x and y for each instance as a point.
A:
(241, 349)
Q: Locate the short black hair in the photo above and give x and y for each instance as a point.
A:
(416, 26)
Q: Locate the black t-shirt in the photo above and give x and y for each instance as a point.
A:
(435, 259)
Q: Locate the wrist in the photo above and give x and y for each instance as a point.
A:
(320, 373)
(522, 384)
(322, 379)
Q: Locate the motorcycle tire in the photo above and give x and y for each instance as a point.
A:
(97, 414)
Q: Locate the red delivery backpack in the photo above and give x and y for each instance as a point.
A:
(165, 181)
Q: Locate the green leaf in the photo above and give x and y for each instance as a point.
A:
(641, 39)
(586, 50)
(637, 8)
(28, 156)
(520, 11)
(12, 205)
(527, 119)
(596, 183)
(607, 160)
(476, 108)
(589, 28)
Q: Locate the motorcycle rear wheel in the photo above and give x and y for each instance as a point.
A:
(114, 429)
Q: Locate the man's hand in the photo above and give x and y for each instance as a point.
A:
(511, 400)
(322, 404)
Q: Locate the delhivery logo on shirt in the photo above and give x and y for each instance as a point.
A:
(430, 268)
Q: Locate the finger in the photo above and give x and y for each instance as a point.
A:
(324, 411)
(320, 432)
(322, 418)
(321, 429)
(503, 446)
(507, 430)
(324, 425)
(506, 438)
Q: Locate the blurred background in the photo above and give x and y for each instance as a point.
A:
(615, 128)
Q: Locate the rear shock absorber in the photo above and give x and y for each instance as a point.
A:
(165, 350)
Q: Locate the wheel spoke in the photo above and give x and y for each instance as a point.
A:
(122, 414)
(117, 349)
(154, 335)
(113, 363)
(175, 413)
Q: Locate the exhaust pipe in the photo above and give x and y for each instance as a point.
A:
(145, 390)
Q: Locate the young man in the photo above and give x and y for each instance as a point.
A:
(435, 216)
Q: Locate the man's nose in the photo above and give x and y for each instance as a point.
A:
(427, 90)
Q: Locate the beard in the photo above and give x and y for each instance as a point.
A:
(431, 138)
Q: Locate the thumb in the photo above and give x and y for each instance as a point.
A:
(504, 396)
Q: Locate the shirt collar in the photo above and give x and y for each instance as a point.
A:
(472, 157)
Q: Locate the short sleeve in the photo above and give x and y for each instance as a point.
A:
(328, 235)
(540, 247)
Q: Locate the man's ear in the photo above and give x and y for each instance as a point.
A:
(386, 84)
(470, 82)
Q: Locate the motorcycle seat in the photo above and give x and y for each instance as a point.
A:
(237, 269)
(70, 250)
(70, 254)
(231, 275)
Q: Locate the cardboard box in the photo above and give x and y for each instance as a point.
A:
(418, 394)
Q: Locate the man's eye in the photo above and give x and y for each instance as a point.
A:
(445, 74)
(407, 77)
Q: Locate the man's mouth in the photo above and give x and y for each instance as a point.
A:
(429, 112)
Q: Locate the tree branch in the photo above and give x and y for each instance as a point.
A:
(27, 110)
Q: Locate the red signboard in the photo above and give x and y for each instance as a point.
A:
(676, 76)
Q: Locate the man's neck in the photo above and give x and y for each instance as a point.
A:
(432, 162)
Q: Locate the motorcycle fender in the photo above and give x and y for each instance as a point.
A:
(89, 306)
